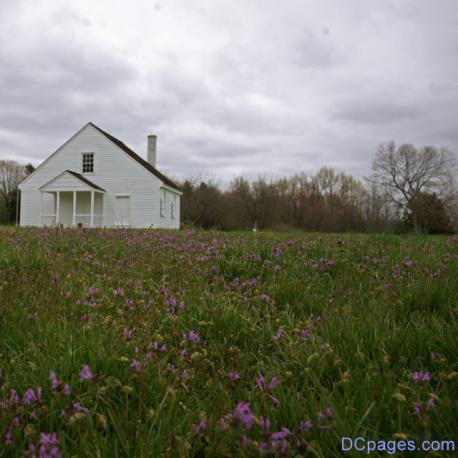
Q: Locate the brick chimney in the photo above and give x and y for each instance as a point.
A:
(152, 140)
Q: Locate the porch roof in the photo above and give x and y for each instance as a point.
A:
(70, 181)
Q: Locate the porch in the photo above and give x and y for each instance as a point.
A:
(71, 200)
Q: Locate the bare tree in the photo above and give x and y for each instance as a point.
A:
(11, 174)
(405, 171)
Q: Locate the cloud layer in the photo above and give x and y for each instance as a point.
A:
(252, 87)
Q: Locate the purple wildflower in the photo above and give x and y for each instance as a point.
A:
(136, 366)
(8, 438)
(196, 429)
(264, 424)
(275, 401)
(421, 376)
(79, 408)
(234, 376)
(305, 425)
(85, 373)
(261, 382)
(29, 396)
(14, 398)
(244, 441)
(273, 382)
(118, 292)
(48, 445)
(128, 334)
(284, 432)
(48, 439)
(148, 356)
(54, 381)
(417, 409)
(304, 333)
(222, 423)
(278, 335)
(153, 345)
(244, 414)
(191, 336)
(184, 353)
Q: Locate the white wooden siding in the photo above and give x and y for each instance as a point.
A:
(114, 170)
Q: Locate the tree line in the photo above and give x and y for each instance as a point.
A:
(11, 175)
(410, 189)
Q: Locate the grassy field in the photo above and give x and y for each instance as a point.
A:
(146, 343)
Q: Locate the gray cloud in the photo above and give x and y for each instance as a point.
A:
(268, 87)
(376, 111)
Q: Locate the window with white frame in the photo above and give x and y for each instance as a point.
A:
(163, 204)
(88, 163)
(172, 207)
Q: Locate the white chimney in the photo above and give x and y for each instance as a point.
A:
(152, 139)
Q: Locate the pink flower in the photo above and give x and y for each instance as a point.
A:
(85, 373)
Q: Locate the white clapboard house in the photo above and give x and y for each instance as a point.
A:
(95, 180)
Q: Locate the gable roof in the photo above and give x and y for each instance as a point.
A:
(77, 176)
(85, 180)
(139, 159)
(118, 143)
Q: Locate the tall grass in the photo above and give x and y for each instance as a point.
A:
(179, 328)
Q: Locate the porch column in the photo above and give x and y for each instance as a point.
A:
(92, 209)
(57, 207)
(74, 209)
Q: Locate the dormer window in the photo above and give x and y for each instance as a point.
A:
(88, 162)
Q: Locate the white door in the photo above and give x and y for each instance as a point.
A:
(122, 211)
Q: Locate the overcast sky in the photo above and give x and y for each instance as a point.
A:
(231, 87)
